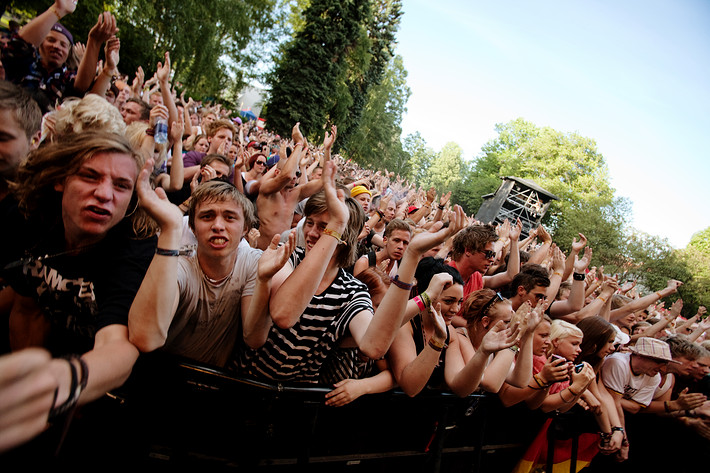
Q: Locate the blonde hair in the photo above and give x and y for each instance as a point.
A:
(92, 112)
(561, 329)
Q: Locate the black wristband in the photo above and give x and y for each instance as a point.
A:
(164, 252)
(578, 276)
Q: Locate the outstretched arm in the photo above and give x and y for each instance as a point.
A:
(155, 303)
(36, 30)
(104, 29)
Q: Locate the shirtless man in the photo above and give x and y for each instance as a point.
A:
(278, 192)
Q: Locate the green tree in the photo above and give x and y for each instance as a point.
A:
(696, 257)
(325, 73)
(206, 40)
(569, 166)
(446, 168)
(305, 79)
(376, 143)
(420, 156)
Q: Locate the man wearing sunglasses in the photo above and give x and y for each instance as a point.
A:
(474, 250)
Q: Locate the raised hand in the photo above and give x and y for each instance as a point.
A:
(675, 308)
(434, 315)
(65, 7)
(580, 264)
(424, 241)
(111, 51)
(334, 198)
(578, 245)
(499, 337)
(516, 230)
(275, 256)
(163, 72)
(138, 81)
(437, 284)
(296, 134)
(329, 138)
(104, 28)
(155, 202)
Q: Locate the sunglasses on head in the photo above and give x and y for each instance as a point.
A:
(489, 304)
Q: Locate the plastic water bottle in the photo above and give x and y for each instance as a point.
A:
(161, 131)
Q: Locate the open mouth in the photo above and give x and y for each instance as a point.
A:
(98, 211)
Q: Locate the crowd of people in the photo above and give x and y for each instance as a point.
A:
(140, 220)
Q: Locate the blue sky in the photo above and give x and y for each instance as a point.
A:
(632, 75)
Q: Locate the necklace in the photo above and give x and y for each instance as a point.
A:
(220, 281)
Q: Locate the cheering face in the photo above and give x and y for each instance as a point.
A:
(219, 227)
(96, 198)
(450, 300)
(54, 50)
(313, 228)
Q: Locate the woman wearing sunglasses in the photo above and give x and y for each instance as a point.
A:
(486, 310)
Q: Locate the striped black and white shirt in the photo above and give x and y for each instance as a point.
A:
(297, 353)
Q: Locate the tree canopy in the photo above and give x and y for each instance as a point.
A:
(324, 74)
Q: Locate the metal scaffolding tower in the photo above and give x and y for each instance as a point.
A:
(515, 199)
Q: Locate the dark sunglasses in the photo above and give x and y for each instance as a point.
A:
(489, 304)
(263, 163)
(489, 253)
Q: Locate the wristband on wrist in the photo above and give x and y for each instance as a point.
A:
(435, 345)
(667, 406)
(76, 387)
(578, 276)
(164, 252)
(335, 235)
(426, 300)
(563, 398)
(401, 284)
(418, 300)
(573, 393)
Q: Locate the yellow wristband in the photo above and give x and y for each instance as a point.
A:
(334, 234)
